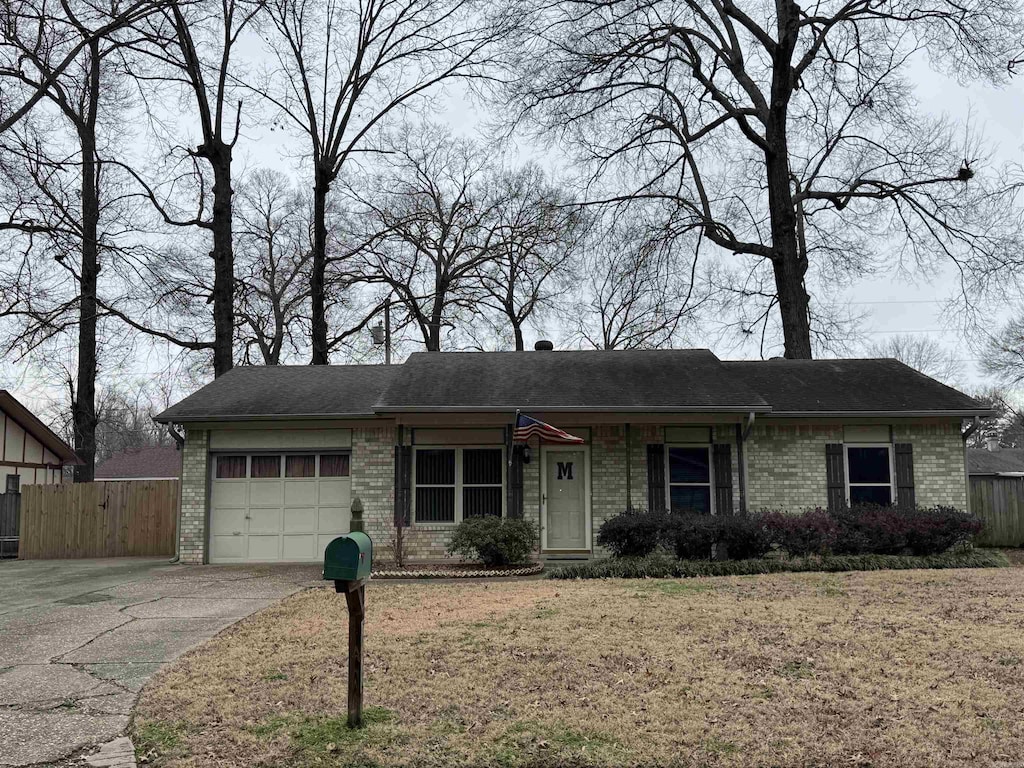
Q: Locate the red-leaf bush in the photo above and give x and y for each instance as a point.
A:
(813, 532)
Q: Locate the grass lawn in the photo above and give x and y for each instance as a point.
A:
(909, 668)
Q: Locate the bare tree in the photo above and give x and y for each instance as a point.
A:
(534, 232)
(923, 354)
(634, 291)
(1004, 353)
(63, 196)
(342, 69)
(427, 227)
(1006, 427)
(273, 232)
(781, 133)
(191, 48)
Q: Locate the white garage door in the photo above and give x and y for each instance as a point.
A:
(269, 507)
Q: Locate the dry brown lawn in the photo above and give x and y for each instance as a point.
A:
(913, 668)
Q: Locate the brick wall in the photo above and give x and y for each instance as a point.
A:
(194, 478)
(786, 464)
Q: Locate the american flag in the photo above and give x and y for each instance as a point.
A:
(527, 427)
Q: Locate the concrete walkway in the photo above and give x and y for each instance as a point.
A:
(79, 639)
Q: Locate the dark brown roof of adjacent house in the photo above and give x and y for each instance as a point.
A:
(622, 380)
(691, 380)
(30, 423)
(999, 462)
(819, 387)
(150, 463)
(296, 391)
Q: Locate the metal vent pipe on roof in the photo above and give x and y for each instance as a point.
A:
(543, 345)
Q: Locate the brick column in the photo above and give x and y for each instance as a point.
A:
(195, 475)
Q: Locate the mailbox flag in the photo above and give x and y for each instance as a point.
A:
(527, 427)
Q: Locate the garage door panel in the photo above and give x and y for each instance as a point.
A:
(336, 492)
(227, 521)
(266, 494)
(233, 494)
(300, 520)
(322, 541)
(333, 519)
(299, 547)
(300, 493)
(264, 520)
(265, 547)
(227, 548)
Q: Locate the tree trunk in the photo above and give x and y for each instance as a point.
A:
(317, 278)
(518, 331)
(789, 263)
(83, 409)
(219, 156)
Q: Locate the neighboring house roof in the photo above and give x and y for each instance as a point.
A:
(632, 380)
(1000, 462)
(850, 387)
(32, 425)
(153, 463)
(295, 391)
(626, 380)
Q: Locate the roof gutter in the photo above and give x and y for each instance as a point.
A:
(577, 409)
(163, 419)
(961, 414)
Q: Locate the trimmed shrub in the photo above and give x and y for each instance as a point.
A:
(663, 566)
(691, 536)
(741, 538)
(633, 533)
(494, 541)
(940, 528)
(873, 529)
(813, 532)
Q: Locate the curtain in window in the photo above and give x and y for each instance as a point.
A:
(481, 482)
(435, 486)
(334, 465)
(264, 467)
(300, 466)
(230, 467)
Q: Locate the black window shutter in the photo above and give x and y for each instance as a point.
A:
(403, 483)
(722, 455)
(515, 484)
(904, 460)
(656, 477)
(835, 470)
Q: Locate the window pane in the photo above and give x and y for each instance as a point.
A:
(869, 465)
(334, 465)
(435, 505)
(230, 467)
(688, 465)
(481, 466)
(481, 502)
(266, 466)
(300, 466)
(871, 494)
(435, 467)
(690, 499)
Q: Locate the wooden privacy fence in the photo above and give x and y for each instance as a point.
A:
(999, 501)
(10, 506)
(102, 519)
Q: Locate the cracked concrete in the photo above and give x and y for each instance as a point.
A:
(80, 638)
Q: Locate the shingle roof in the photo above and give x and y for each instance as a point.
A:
(982, 462)
(155, 462)
(692, 380)
(849, 386)
(10, 405)
(633, 380)
(285, 390)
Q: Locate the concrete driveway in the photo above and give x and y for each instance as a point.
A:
(79, 639)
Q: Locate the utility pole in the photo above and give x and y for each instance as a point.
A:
(382, 333)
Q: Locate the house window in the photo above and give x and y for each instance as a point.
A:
(230, 467)
(454, 484)
(13, 484)
(869, 474)
(481, 482)
(688, 488)
(300, 466)
(334, 465)
(265, 467)
(435, 485)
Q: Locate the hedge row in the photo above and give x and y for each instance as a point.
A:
(857, 530)
(663, 566)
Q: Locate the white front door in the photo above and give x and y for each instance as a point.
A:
(565, 499)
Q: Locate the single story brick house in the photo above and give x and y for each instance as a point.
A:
(274, 456)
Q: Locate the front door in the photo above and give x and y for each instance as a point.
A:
(565, 499)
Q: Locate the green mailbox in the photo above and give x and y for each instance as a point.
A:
(348, 558)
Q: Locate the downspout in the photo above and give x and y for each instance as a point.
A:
(742, 435)
(629, 468)
(966, 435)
(180, 440)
